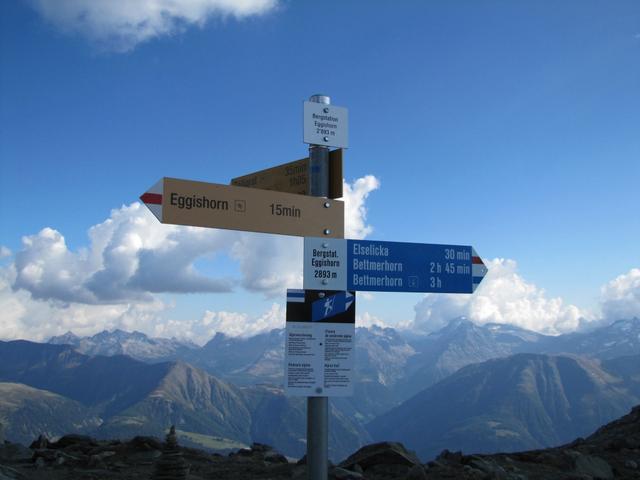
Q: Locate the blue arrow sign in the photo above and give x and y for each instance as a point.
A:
(330, 306)
(368, 265)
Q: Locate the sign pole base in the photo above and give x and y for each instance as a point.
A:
(317, 438)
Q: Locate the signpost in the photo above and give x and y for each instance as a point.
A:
(319, 343)
(368, 265)
(199, 204)
(294, 199)
(292, 177)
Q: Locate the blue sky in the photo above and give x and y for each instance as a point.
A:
(509, 126)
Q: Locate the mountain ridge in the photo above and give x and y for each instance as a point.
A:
(519, 402)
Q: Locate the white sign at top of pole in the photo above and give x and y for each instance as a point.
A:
(326, 125)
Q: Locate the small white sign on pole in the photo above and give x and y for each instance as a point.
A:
(326, 125)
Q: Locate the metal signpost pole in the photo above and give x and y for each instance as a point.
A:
(318, 407)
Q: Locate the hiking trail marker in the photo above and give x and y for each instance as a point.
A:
(199, 204)
(367, 265)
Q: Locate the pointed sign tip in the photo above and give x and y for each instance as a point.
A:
(479, 269)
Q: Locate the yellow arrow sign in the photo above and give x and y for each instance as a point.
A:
(200, 204)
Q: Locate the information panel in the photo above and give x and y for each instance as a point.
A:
(319, 343)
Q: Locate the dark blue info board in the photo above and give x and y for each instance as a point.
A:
(369, 265)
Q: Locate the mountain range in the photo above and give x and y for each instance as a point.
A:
(119, 396)
(484, 388)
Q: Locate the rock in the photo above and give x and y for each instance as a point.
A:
(41, 442)
(338, 473)
(143, 443)
(416, 472)
(73, 440)
(492, 469)
(260, 447)
(303, 461)
(387, 471)
(595, 467)
(299, 473)
(40, 463)
(171, 465)
(243, 452)
(273, 456)
(96, 461)
(14, 452)
(8, 473)
(631, 464)
(634, 443)
(48, 456)
(450, 457)
(1, 434)
(383, 453)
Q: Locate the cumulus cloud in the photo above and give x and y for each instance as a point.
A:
(120, 25)
(502, 297)
(4, 252)
(620, 298)
(130, 256)
(355, 210)
(23, 317)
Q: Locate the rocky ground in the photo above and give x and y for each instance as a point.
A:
(611, 452)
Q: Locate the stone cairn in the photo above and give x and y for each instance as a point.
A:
(171, 465)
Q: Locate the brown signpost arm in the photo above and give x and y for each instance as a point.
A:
(293, 177)
(212, 205)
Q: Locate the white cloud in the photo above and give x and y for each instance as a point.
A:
(4, 252)
(367, 320)
(355, 196)
(130, 256)
(502, 297)
(26, 318)
(120, 25)
(235, 324)
(620, 298)
(38, 320)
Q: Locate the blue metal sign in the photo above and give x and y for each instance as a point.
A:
(368, 265)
